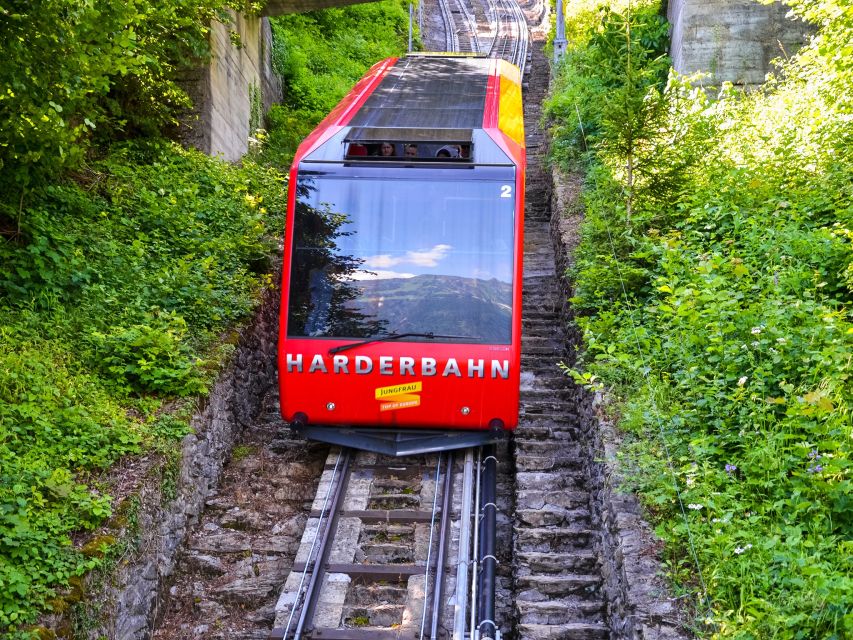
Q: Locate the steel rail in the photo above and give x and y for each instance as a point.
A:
(475, 566)
(492, 18)
(469, 26)
(510, 39)
(442, 550)
(463, 557)
(488, 627)
(307, 613)
(320, 519)
(429, 543)
(450, 41)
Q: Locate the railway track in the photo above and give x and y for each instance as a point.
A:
(511, 34)
(505, 29)
(377, 555)
(460, 27)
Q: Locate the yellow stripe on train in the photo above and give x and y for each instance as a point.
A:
(511, 114)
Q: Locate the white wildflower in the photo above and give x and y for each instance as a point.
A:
(694, 506)
(742, 381)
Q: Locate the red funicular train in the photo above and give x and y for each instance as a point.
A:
(401, 291)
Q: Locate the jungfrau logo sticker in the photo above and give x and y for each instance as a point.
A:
(399, 396)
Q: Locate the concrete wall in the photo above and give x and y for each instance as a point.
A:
(732, 40)
(222, 91)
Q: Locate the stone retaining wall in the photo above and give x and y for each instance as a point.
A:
(639, 605)
(170, 503)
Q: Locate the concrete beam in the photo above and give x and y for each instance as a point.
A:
(731, 40)
(225, 92)
(280, 7)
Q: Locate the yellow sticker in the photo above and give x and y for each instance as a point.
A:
(399, 396)
(383, 393)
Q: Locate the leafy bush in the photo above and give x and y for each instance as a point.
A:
(118, 276)
(114, 290)
(57, 423)
(75, 69)
(718, 315)
(149, 356)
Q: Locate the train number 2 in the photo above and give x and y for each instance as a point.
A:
(506, 191)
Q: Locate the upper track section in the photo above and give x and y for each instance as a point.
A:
(496, 28)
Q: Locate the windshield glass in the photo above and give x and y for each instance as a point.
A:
(403, 252)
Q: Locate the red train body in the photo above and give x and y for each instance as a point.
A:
(401, 284)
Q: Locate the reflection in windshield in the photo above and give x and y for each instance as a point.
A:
(402, 256)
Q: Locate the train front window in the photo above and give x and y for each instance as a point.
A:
(384, 255)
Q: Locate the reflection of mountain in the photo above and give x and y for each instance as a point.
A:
(442, 304)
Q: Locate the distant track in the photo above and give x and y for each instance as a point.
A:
(511, 39)
(507, 23)
(460, 27)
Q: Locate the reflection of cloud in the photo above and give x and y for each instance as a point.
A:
(361, 274)
(428, 258)
(383, 260)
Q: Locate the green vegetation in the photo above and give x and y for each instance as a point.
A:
(359, 621)
(713, 286)
(122, 259)
(125, 258)
(80, 72)
(320, 56)
(115, 288)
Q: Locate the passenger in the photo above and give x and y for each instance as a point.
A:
(411, 151)
(449, 152)
(387, 150)
(356, 149)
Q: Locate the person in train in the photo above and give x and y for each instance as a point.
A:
(449, 151)
(387, 150)
(356, 149)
